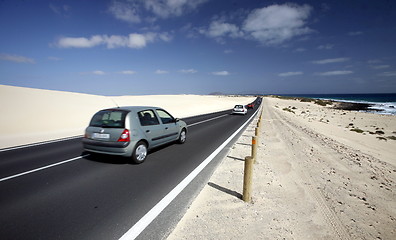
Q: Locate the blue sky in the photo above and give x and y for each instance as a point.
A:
(139, 47)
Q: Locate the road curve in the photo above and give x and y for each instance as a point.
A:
(101, 197)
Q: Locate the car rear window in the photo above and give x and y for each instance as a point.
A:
(109, 119)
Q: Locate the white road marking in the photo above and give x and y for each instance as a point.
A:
(207, 120)
(136, 229)
(42, 168)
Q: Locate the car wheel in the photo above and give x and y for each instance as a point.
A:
(182, 136)
(139, 153)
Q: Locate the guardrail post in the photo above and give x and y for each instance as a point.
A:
(259, 124)
(247, 179)
(254, 149)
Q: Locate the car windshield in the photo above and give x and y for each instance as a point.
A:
(238, 106)
(109, 119)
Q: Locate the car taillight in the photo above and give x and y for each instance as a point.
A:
(125, 136)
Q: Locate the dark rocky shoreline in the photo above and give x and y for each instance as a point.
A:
(348, 106)
(354, 106)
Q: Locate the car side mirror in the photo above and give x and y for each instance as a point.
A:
(176, 120)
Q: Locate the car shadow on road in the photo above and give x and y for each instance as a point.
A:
(101, 158)
(225, 190)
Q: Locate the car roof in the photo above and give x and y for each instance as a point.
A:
(132, 108)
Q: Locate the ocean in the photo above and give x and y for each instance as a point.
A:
(385, 102)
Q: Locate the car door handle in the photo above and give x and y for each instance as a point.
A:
(166, 128)
(147, 131)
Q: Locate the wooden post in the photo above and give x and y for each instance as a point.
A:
(259, 124)
(257, 132)
(247, 180)
(254, 149)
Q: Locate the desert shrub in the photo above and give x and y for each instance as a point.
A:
(323, 102)
(379, 132)
(305, 100)
(288, 110)
(357, 130)
(391, 137)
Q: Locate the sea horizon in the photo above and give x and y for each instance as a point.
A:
(384, 102)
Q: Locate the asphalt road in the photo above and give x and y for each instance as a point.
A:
(101, 197)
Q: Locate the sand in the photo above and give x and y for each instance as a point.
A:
(314, 179)
(35, 115)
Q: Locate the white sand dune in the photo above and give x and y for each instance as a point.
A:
(34, 115)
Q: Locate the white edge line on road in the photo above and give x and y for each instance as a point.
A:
(136, 229)
(42, 168)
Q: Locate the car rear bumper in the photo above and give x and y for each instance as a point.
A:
(242, 113)
(111, 148)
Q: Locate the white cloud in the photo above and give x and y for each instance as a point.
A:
(80, 42)
(60, 10)
(138, 40)
(357, 33)
(388, 74)
(166, 37)
(188, 71)
(270, 25)
(125, 11)
(374, 61)
(228, 51)
(300, 50)
(219, 28)
(16, 58)
(335, 73)
(221, 73)
(133, 40)
(98, 72)
(331, 60)
(54, 58)
(326, 47)
(170, 8)
(161, 71)
(380, 66)
(127, 72)
(135, 11)
(289, 74)
(277, 23)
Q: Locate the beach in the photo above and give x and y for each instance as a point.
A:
(36, 115)
(321, 173)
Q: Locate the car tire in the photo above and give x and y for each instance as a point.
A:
(139, 154)
(182, 137)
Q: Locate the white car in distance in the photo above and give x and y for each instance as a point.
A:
(239, 109)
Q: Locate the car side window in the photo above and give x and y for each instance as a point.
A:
(165, 117)
(147, 118)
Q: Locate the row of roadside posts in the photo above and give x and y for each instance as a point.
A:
(249, 161)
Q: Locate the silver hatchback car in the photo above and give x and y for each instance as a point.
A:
(132, 131)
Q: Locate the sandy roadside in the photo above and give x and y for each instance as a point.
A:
(36, 115)
(315, 179)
